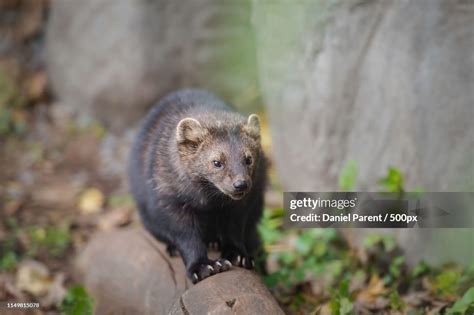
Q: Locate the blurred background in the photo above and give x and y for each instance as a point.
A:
(358, 95)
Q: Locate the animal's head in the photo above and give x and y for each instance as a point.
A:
(224, 154)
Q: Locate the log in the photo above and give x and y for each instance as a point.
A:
(128, 272)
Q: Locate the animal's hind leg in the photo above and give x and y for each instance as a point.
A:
(255, 248)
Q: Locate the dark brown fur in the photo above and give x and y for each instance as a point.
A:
(197, 173)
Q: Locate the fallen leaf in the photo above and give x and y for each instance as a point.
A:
(56, 292)
(438, 307)
(33, 277)
(416, 299)
(55, 193)
(36, 85)
(7, 287)
(374, 289)
(115, 218)
(11, 207)
(91, 201)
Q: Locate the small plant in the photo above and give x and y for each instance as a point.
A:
(54, 240)
(116, 200)
(12, 114)
(386, 242)
(348, 176)
(446, 283)
(393, 182)
(270, 225)
(77, 302)
(465, 305)
(341, 301)
(9, 261)
(307, 263)
(8, 246)
(396, 302)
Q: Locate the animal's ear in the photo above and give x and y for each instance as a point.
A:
(189, 131)
(253, 126)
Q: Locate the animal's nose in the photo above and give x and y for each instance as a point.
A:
(240, 185)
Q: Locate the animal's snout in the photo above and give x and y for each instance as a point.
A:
(240, 185)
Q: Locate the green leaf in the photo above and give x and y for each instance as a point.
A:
(420, 269)
(9, 261)
(53, 239)
(77, 302)
(446, 282)
(346, 306)
(340, 302)
(287, 258)
(396, 265)
(465, 305)
(396, 301)
(393, 181)
(389, 242)
(348, 176)
(372, 240)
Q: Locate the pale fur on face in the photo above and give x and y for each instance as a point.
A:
(235, 146)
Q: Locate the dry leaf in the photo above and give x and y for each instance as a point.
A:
(9, 288)
(91, 201)
(115, 218)
(33, 277)
(56, 293)
(375, 289)
(36, 86)
(12, 207)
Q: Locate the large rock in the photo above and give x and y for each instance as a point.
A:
(111, 59)
(384, 83)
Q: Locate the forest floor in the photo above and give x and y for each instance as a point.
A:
(52, 199)
(54, 195)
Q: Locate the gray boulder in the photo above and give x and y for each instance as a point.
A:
(384, 83)
(111, 59)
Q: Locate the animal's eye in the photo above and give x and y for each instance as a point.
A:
(248, 160)
(217, 164)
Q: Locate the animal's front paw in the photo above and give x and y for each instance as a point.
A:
(215, 245)
(240, 260)
(202, 270)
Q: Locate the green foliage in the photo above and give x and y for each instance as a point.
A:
(386, 242)
(447, 282)
(348, 176)
(393, 182)
(315, 252)
(465, 305)
(118, 200)
(395, 267)
(269, 227)
(35, 240)
(422, 268)
(77, 302)
(12, 117)
(305, 260)
(341, 301)
(467, 278)
(93, 127)
(8, 261)
(396, 302)
(8, 257)
(54, 240)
